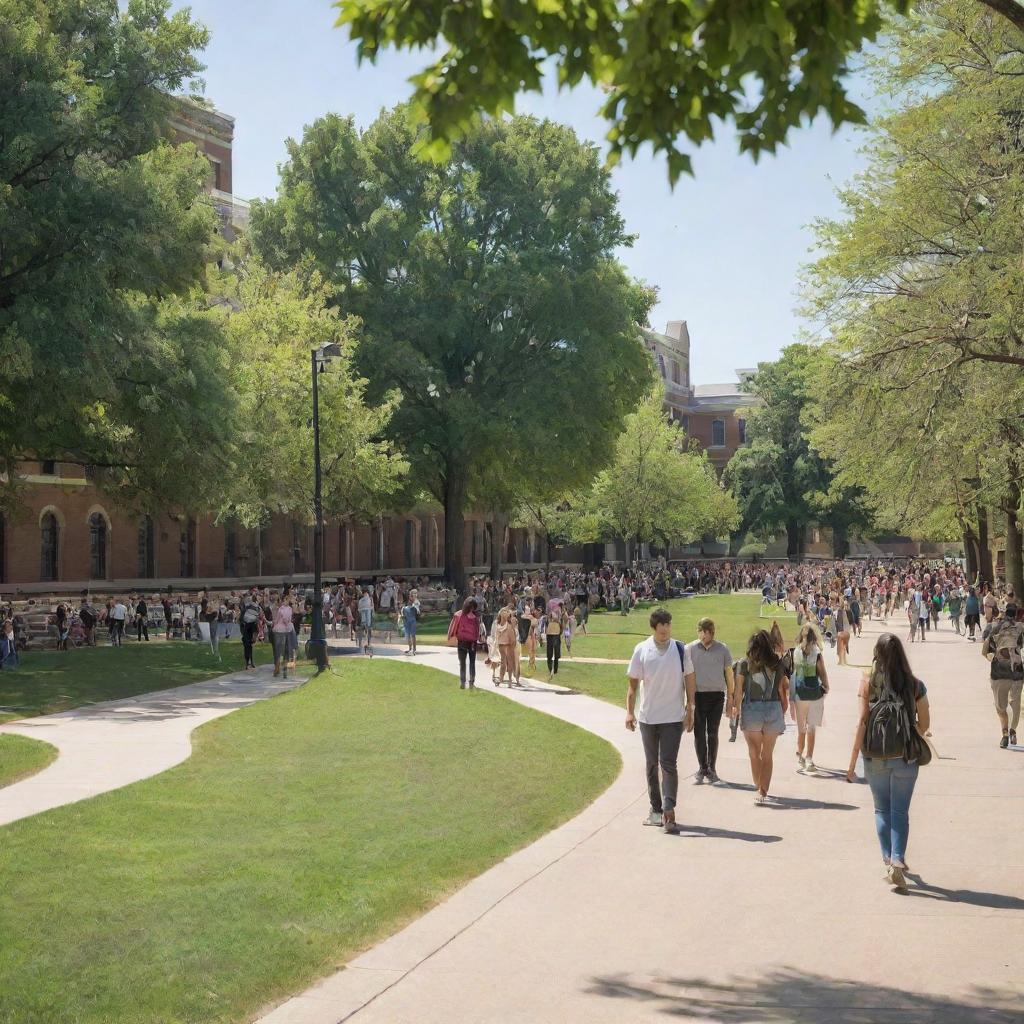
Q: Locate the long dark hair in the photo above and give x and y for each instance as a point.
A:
(469, 605)
(889, 664)
(761, 652)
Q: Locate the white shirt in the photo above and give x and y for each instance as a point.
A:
(662, 689)
(118, 611)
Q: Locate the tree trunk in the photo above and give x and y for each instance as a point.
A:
(1014, 564)
(793, 540)
(970, 542)
(454, 530)
(840, 540)
(984, 551)
(547, 554)
(497, 525)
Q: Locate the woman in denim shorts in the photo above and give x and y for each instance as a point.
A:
(764, 689)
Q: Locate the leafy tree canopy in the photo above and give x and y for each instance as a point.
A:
(655, 489)
(276, 321)
(779, 479)
(487, 290)
(109, 358)
(918, 291)
(668, 71)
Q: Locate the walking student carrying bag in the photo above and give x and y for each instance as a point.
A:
(891, 733)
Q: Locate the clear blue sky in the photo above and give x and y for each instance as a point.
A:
(723, 249)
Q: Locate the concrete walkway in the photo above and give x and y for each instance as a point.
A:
(110, 745)
(754, 914)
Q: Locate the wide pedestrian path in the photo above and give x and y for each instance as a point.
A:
(113, 744)
(753, 914)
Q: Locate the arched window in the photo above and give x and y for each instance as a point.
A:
(187, 549)
(718, 433)
(230, 549)
(410, 543)
(743, 431)
(661, 367)
(298, 547)
(146, 566)
(97, 546)
(49, 537)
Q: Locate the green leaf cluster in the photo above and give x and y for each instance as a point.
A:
(656, 489)
(669, 71)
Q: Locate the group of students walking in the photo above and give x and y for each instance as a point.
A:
(675, 688)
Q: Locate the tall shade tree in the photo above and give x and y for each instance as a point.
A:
(779, 479)
(919, 288)
(655, 489)
(487, 291)
(100, 220)
(276, 320)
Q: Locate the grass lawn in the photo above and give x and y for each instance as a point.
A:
(51, 681)
(301, 830)
(611, 635)
(21, 757)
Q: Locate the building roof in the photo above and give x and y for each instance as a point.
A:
(730, 390)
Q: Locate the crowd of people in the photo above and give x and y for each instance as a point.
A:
(675, 688)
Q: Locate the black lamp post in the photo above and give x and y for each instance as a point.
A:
(319, 358)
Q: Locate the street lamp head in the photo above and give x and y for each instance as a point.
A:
(329, 351)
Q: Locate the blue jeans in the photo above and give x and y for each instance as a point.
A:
(892, 783)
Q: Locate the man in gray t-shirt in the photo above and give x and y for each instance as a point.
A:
(712, 665)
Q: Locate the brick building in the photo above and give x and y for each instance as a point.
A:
(68, 535)
(708, 413)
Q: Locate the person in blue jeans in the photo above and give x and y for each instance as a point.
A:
(891, 779)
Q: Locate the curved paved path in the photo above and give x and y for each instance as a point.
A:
(774, 914)
(110, 745)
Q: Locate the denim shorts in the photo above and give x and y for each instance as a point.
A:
(762, 716)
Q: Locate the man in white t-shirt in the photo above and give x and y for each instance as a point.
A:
(117, 616)
(662, 670)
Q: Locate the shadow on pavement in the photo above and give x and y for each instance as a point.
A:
(795, 803)
(705, 831)
(787, 996)
(992, 900)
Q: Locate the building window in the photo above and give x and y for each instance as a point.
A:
(48, 467)
(230, 550)
(146, 566)
(187, 549)
(298, 547)
(661, 367)
(675, 372)
(97, 547)
(743, 431)
(49, 538)
(376, 546)
(410, 543)
(685, 421)
(718, 433)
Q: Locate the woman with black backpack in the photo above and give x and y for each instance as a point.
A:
(893, 718)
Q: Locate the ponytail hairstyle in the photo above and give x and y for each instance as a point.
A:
(807, 638)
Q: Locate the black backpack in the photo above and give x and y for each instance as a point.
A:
(889, 727)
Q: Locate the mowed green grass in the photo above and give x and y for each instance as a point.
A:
(611, 635)
(614, 636)
(301, 830)
(21, 757)
(50, 681)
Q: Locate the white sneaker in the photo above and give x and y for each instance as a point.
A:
(801, 763)
(810, 766)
